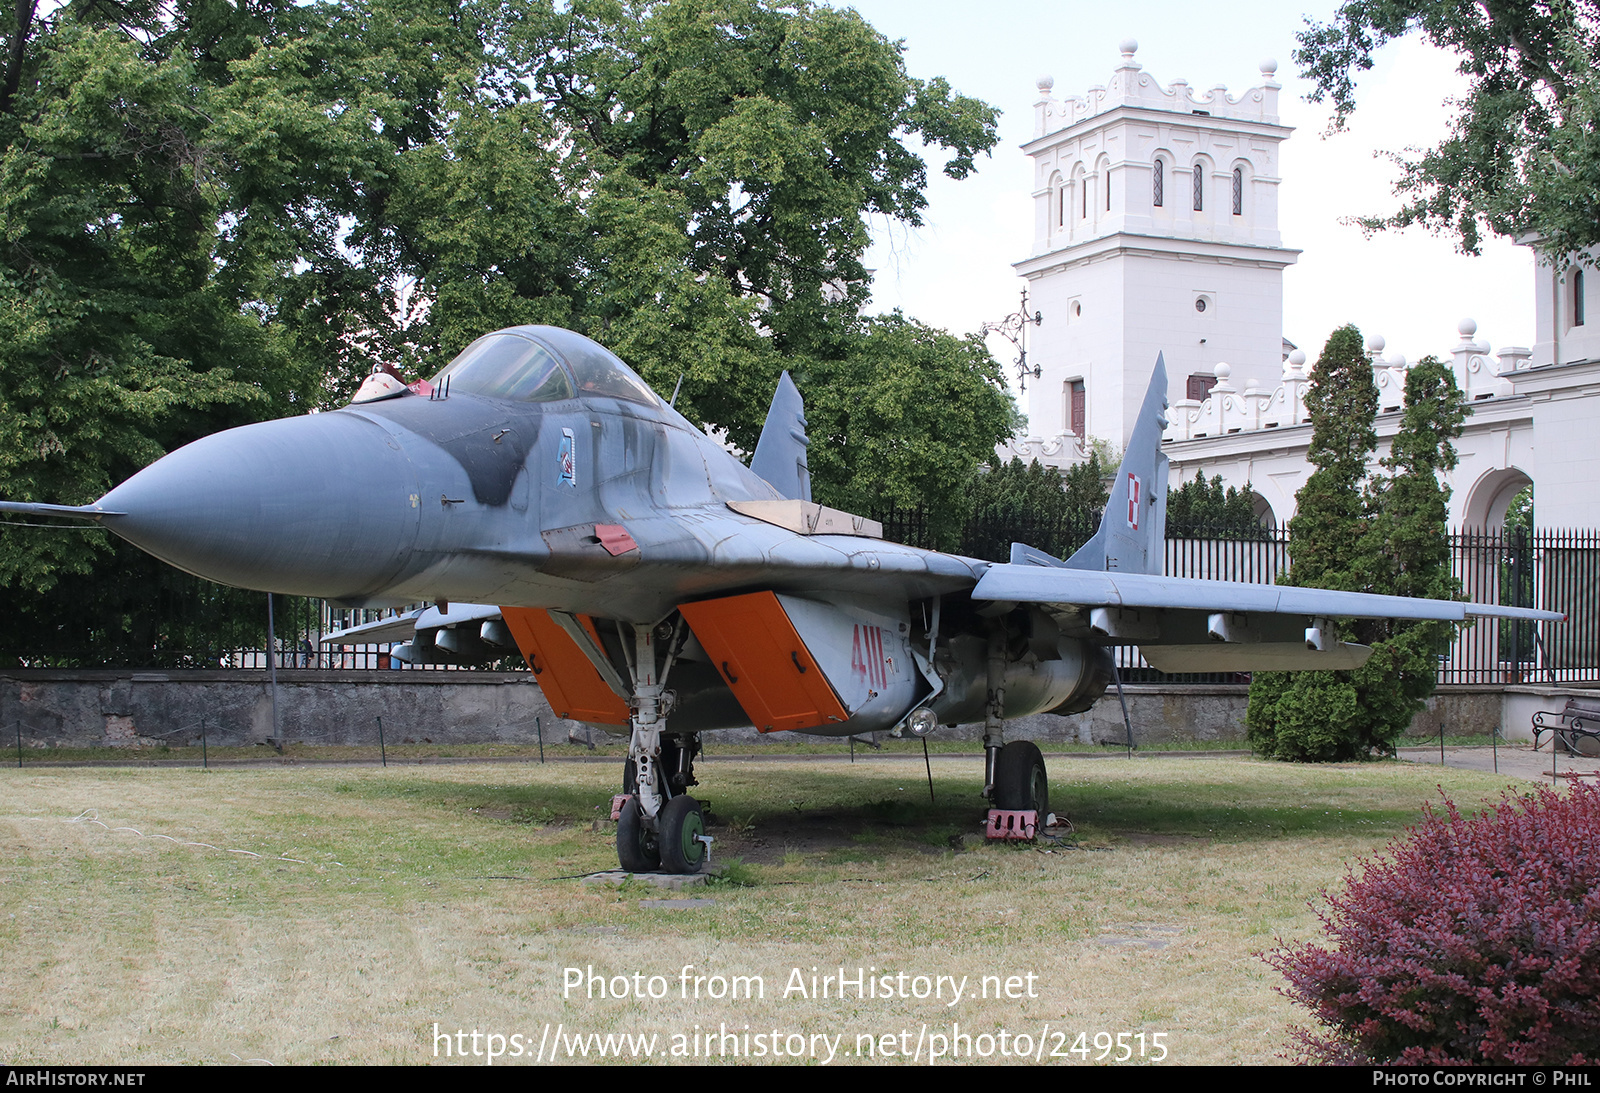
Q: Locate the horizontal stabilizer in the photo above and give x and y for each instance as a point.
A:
(1023, 554)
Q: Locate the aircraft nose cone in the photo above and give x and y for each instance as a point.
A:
(322, 505)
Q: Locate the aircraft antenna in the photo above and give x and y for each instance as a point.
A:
(673, 401)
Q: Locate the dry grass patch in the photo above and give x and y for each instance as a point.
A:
(385, 901)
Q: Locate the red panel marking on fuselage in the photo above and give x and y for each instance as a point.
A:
(615, 538)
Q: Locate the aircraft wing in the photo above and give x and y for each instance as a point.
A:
(1085, 588)
(381, 632)
(1185, 625)
(462, 634)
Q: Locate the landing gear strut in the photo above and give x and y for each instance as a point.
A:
(659, 825)
(1014, 774)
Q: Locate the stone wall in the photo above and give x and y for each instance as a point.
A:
(145, 709)
(111, 708)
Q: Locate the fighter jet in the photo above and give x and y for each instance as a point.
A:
(659, 587)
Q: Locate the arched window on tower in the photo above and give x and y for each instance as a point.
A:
(1577, 297)
(1238, 191)
(1199, 186)
(1158, 184)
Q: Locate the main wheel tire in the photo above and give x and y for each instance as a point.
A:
(1020, 781)
(681, 825)
(638, 849)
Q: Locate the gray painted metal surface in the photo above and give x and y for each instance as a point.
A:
(539, 471)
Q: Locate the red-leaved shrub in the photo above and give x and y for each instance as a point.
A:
(1470, 941)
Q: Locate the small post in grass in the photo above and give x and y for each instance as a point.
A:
(205, 760)
(382, 754)
(1441, 741)
(929, 764)
(538, 727)
(18, 725)
(1127, 722)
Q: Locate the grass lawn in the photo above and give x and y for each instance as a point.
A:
(338, 914)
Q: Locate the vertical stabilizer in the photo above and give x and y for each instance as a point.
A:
(781, 452)
(1132, 532)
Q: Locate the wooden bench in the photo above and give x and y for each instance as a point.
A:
(1576, 726)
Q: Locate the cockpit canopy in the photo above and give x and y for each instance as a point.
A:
(541, 364)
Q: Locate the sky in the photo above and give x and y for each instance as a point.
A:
(1410, 287)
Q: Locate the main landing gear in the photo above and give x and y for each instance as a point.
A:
(1015, 780)
(659, 826)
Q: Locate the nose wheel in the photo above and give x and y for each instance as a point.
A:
(638, 848)
(659, 826)
(682, 829)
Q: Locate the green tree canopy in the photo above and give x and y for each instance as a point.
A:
(1199, 508)
(1523, 153)
(214, 213)
(903, 419)
(1056, 512)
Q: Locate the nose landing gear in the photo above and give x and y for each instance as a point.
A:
(659, 826)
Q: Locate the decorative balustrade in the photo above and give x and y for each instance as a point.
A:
(1228, 410)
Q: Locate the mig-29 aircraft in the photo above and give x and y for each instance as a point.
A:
(660, 588)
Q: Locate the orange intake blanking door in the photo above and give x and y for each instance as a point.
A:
(570, 682)
(767, 666)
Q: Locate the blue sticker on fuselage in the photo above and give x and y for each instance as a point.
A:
(568, 459)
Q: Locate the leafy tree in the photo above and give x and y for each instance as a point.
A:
(759, 135)
(902, 420)
(1523, 154)
(211, 214)
(1199, 508)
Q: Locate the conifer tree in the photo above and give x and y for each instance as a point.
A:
(1390, 538)
(1316, 715)
(1205, 509)
(1326, 527)
(1406, 552)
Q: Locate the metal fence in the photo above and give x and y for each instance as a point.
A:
(1553, 570)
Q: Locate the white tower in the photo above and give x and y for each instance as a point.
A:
(1155, 231)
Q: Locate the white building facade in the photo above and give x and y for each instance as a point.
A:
(1156, 231)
